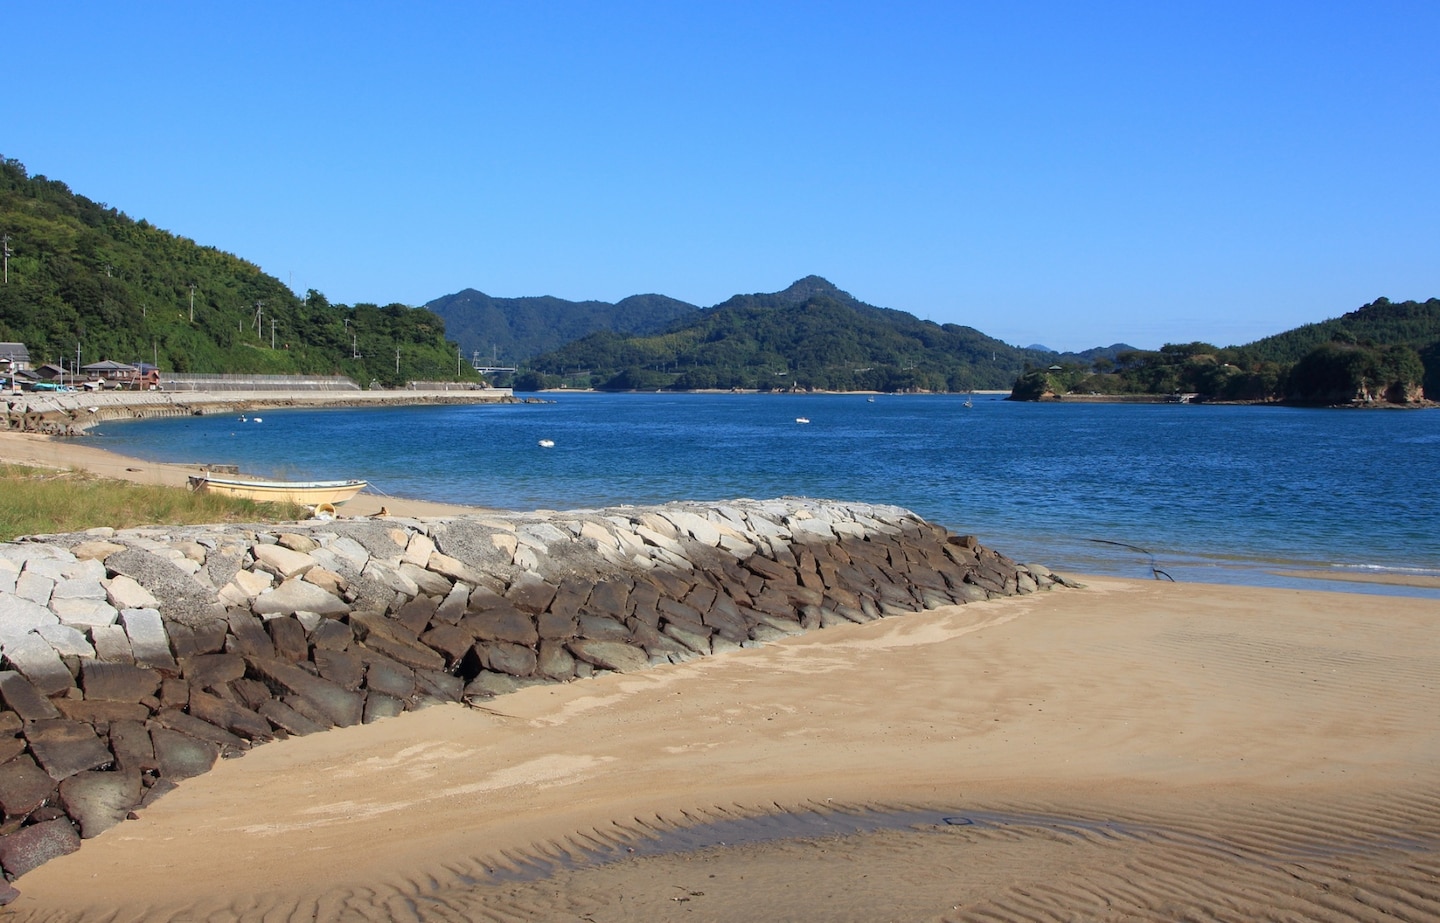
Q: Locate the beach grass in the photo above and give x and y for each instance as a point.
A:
(39, 501)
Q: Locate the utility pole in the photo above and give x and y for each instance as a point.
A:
(5, 248)
(259, 310)
(354, 346)
(272, 333)
(192, 302)
(397, 360)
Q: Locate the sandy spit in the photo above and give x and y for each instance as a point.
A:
(1133, 750)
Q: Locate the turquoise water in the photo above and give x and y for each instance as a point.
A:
(1216, 494)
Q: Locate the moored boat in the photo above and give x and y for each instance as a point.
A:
(306, 492)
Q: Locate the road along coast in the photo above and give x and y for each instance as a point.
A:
(71, 413)
(137, 658)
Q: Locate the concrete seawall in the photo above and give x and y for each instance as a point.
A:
(135, 659)
(71, 413)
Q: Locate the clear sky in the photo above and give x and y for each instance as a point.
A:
(1072, 174)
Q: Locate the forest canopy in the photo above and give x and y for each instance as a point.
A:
(86, 282)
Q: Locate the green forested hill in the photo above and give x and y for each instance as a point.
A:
(514, 329)
(1414, 324)
(1382, 352)
(812, 335)
(86, 277)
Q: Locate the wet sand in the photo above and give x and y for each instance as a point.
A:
(1132, 750)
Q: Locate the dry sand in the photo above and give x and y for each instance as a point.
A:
(84, 454)
(1133, 750)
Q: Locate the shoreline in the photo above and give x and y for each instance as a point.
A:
(72, 413)
(51, 451)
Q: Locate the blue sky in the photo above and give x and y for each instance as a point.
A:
(1074, 174)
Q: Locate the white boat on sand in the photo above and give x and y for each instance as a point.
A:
(307, 492)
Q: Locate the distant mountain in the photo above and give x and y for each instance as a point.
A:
(810, 336)
(514, 329)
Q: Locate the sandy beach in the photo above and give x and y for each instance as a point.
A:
(1130, 750)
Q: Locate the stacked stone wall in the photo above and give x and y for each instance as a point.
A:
(135, 659)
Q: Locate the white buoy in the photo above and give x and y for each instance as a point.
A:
(546, 443)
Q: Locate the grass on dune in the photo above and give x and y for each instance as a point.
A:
(36, 501)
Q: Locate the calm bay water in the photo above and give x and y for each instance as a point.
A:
(1216, 494)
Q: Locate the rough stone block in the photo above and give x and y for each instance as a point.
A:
(21, 697)
(340, 705)
(598, 628)
(418, 550)
(101, 714)
(511, 659)
(555, 661)
(63, 747)
(281, 561)
(531, 593)
(340, 667)
(130, 743)
(428, 582)
(452, 607)
(33, 656)
(557, 625)
(122, 592)
(379, 705)
(239, 721)
(98, 801)
(294, 596)
(200, 729)
(391, 639)
(23, 786)
(289, 638)
(117, 682)
(288, 719)
(387, 677)
(206, 670)
(332, 634)
(31, 847)
(697, 641)
(452, 568)
(438, 685)
(610, 655)
(180, 756)
(83, 612)
(450, 640)
(502, 624)
(148, 640)
(247, 635)
(416, 613)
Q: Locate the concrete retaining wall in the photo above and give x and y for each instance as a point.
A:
(135, 659)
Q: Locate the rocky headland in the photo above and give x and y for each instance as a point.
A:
(135, 659)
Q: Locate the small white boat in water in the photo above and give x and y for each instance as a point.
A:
(802, 419)
(310, 493)
(546, 443)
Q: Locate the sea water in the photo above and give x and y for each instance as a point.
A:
(1246, 495)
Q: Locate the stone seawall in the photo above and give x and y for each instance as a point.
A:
(71, 413)
(134, 659)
